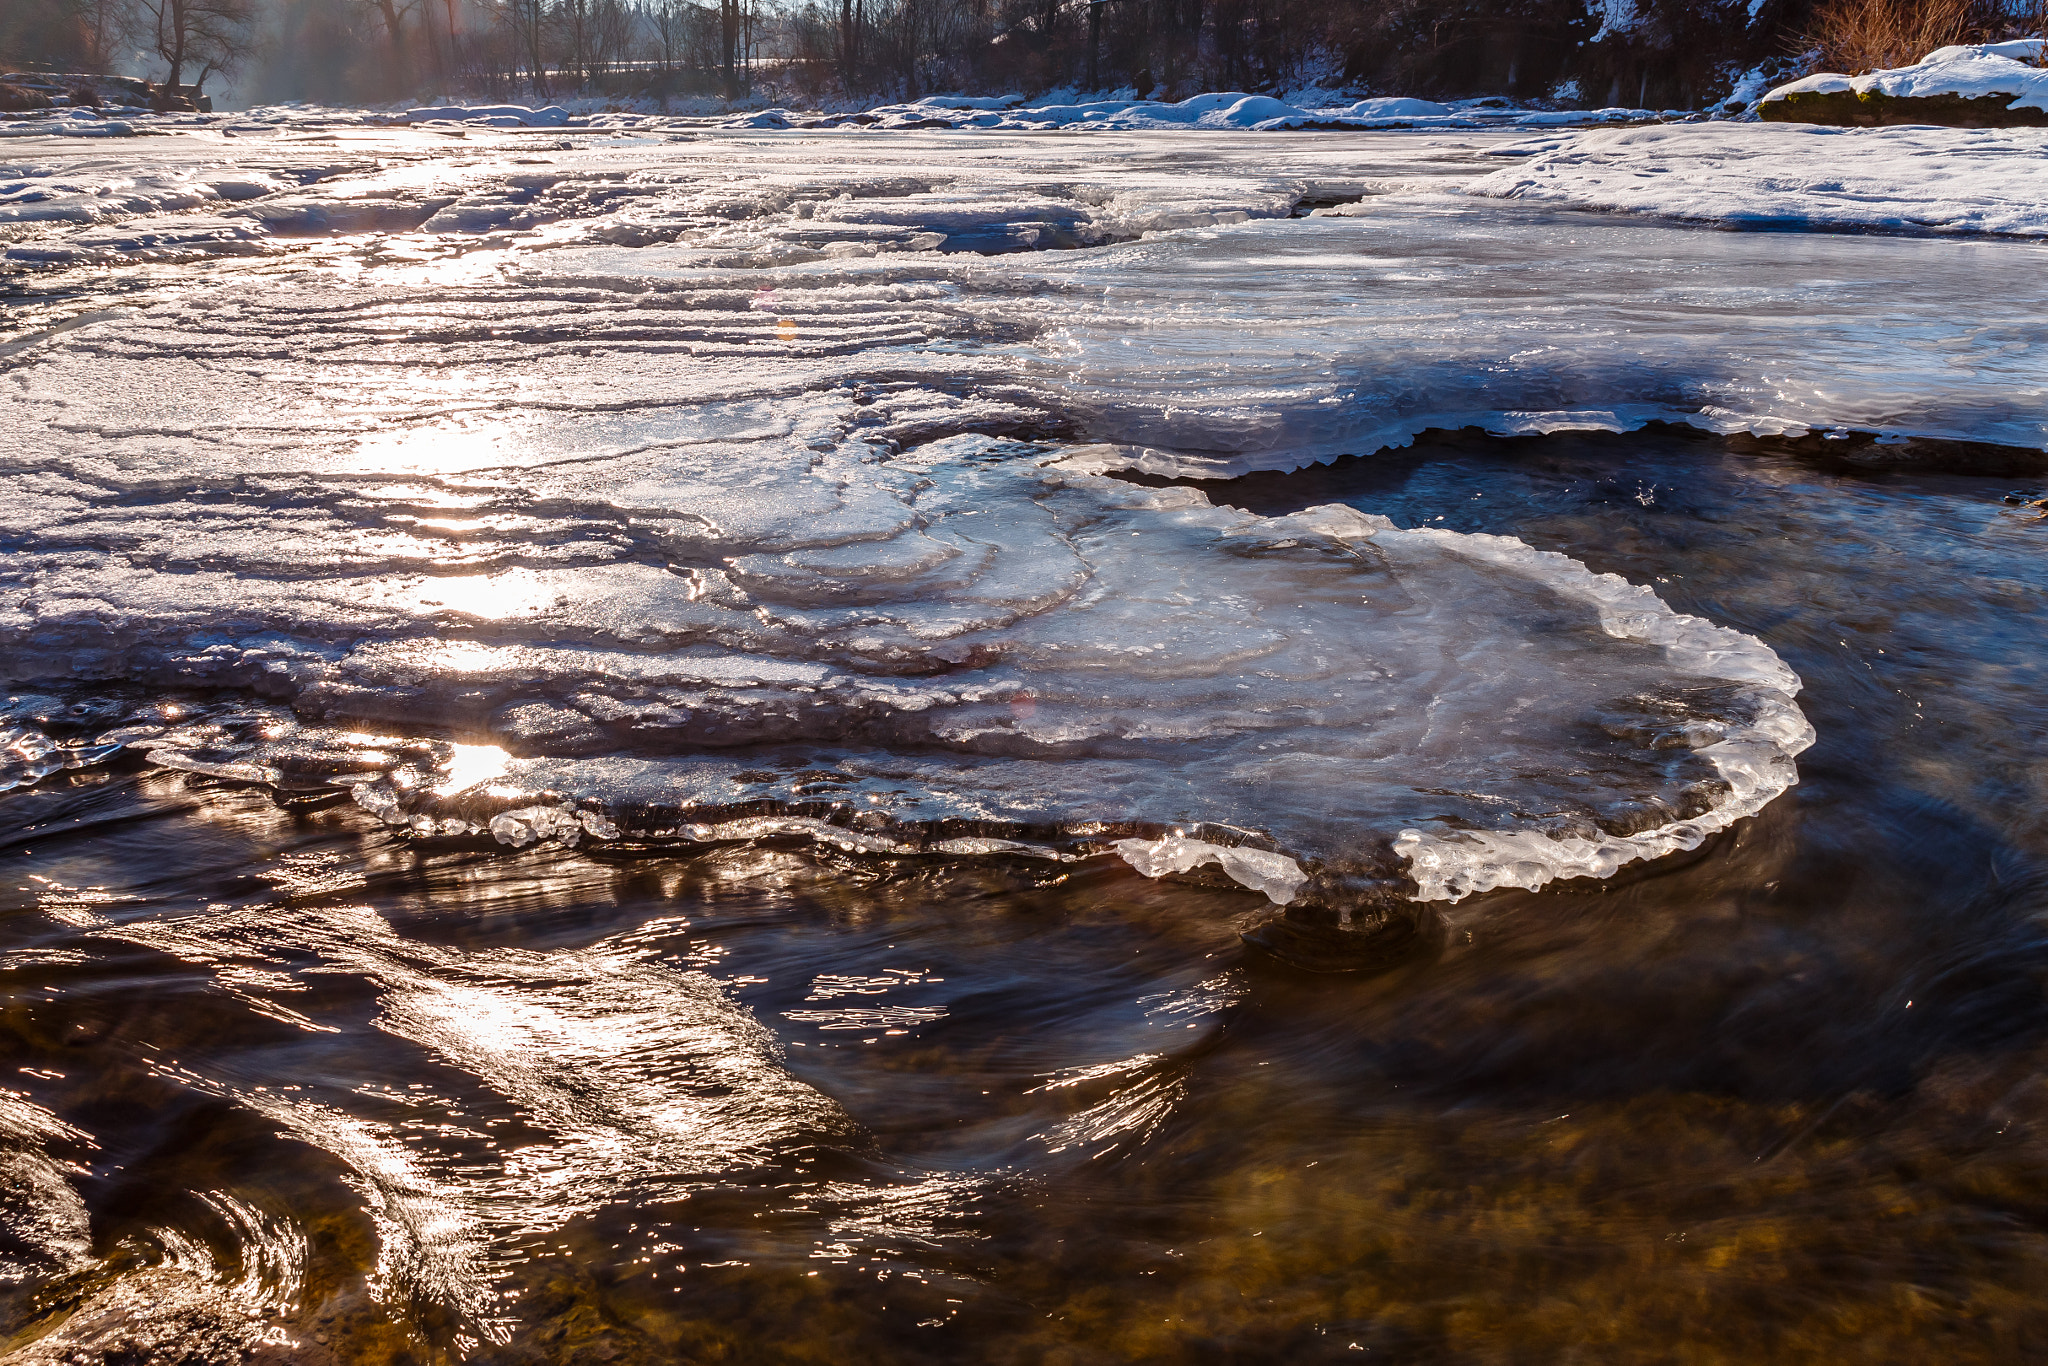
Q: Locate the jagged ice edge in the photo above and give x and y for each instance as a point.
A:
(1756, 761)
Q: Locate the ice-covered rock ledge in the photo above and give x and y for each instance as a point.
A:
(1994, 85)
(1946, 180)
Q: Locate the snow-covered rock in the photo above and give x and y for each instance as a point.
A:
(1987, 85)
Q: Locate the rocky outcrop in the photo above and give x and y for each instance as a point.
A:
(1995, 85)
(19, 98)
(1875, 109)
(55, 89)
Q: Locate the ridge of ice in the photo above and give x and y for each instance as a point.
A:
(499, 115)
(1278, 876)
(1755, 760)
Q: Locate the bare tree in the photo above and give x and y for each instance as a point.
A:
(670, 20)
(82, 35)
(392, 14)
(615, 26)
(103, 23)
(852, 19)
(212, 35)
(577, 23)
(528, 21)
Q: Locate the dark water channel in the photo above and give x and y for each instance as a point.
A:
(285, 1085)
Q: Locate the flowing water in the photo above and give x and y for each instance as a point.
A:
(644, 750)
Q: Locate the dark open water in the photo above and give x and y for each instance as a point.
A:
(281, 1082)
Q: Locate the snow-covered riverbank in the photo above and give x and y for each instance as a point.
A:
(1064, 110)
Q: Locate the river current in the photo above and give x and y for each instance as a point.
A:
(931, 747)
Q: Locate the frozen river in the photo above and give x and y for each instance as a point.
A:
(586, 712)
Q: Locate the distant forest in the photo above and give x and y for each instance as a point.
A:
(1644, 53)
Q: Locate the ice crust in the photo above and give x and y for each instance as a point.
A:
(962, 641)
(759, 486)
(650, 286)
(1908, 179)
(733, 203)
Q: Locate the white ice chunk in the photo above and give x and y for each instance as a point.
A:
(1278, 876)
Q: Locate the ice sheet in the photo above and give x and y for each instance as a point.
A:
(1908, 179)
(676, 478)
(740, 199)
(962, 641)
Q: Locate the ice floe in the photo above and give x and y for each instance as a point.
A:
(965, 640)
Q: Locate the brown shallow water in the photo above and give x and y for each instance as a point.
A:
(279, 1082)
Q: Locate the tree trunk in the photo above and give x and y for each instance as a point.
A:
(172, 45)
(847, 44)
(394, 35)
(1094, 42)
(729, 26)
